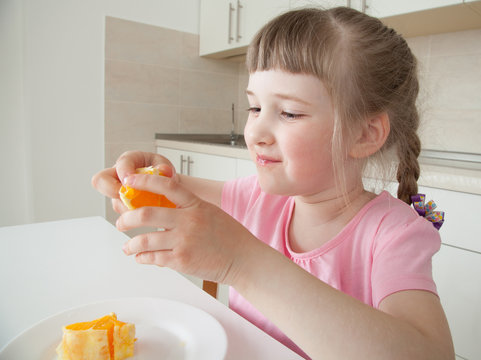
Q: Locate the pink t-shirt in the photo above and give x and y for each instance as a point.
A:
(387, 247)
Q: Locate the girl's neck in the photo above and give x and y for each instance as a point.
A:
(317, 219)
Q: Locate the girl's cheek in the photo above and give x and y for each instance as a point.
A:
(248, 134)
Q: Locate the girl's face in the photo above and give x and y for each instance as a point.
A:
(289, 132)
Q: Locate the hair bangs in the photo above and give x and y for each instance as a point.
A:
(287, 44)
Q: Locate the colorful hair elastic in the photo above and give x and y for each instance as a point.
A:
(427, 210)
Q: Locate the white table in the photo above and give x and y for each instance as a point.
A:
(46, 268)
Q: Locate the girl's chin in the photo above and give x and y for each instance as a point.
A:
(273, 186)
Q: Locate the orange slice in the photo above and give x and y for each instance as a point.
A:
(134, 199)
(105, 338)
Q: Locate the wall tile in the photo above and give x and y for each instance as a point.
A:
(454, 82)
(141, 43)
(156, 82)
(204, 89)
(450, 90)
(114, 150)
(452, 130)
(205, 120)
(456, 43)
(420, 46)
(191, 60)
(138, 122)
(125, 81)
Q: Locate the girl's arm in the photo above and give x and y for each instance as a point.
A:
(328, 324)
(208, 190)
(202, 240)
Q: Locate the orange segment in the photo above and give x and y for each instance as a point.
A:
(133, 198)
(105, 338)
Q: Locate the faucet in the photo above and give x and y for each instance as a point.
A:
(233, 135)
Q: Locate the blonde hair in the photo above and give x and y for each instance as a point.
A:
(366, 67)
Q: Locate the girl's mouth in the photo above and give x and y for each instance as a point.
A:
(264, 161)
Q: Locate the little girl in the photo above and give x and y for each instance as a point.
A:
(313, 259)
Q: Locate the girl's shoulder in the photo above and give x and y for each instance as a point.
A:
(388, 214)
(386, 204)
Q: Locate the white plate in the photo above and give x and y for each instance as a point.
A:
(165, 329)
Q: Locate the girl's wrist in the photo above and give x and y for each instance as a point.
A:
(248, 268)
(244, 261)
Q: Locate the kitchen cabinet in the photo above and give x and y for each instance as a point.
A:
(383, 8)
(245, 168)
(378, 8)
(227, 26)
(326, 4)
(205, 166)
(456, 273)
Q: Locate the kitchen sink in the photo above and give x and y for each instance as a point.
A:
(233, 140)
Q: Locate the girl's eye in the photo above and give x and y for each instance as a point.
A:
(290, 116)
(254, 110)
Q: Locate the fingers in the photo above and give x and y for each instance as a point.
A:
(129, 161)
(118, 206)
(154, 241)
(160, 258)
(152, 248)
(170, 187)
(146, 216)
(107, 183)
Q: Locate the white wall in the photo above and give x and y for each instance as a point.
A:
(52, 100)
(14, 181)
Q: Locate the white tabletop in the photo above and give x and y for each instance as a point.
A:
(46, 268)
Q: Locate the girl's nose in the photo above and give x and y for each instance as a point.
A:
(259, 130)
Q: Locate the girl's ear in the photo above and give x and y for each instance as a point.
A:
(371, 137)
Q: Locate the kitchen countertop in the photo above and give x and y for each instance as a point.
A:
(436, 173)
(213, 144)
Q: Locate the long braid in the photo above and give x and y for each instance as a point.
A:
(408, 169)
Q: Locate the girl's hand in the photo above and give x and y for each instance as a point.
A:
(199, 238)
(108, 181)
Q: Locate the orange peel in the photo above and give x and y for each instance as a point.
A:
(105, 338)
(133, 198)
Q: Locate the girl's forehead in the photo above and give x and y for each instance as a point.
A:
(275, 81)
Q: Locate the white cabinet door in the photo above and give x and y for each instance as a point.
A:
(384, 8)
(211, 166)
(378, 8)
(205, 166)
(216, 28)
(456, 272)
(245, 168)
(257, 14)
(325, 4)
(173, 156)
(227, 25)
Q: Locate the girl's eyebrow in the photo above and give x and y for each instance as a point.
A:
(284, 96)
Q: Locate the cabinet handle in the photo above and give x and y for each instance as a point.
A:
(189, 161)
(182, 161)
(229, 34)
(238, 35)
(364, 6)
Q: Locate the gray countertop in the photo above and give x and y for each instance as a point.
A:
(231, 140)
(213, 144)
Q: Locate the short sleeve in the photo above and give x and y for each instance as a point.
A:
(238, 195)
(402, 257)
